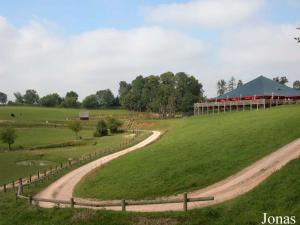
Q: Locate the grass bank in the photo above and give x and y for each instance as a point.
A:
(194, 153)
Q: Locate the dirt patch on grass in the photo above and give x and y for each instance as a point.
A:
(153, 221)
(85, 215)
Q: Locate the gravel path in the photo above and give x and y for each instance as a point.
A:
(227, 189)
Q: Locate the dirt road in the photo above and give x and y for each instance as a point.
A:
(227, 189)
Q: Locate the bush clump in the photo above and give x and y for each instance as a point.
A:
(101, 129)
(114, 125)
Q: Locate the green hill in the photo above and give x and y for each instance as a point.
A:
(194, 153)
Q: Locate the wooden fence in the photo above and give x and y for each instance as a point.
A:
(41, 175)
(122, 203)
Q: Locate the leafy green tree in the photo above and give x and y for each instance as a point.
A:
(105, 98)
(101, 129)
(221, 87)
(50, 100)
(71, 100)
(8, 136)
(123, 94)
(114, 125)
(19, 98)
(75, 126)
(149, 93)
(296, 84)
(231, 85)
(31, 97)
(281, 80)
(90, 102)
(3, 98)
(240, 83)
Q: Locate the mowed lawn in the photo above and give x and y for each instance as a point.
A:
(194, 153)
(279, 195)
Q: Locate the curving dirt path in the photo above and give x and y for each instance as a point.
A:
(227, 189)
(63, 187)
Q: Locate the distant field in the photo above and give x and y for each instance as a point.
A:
(194, 153)
(51, 114)
(33, 132)
(30, 137)
(9, 160)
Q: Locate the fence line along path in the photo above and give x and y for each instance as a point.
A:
(229, 188)
(62, 189)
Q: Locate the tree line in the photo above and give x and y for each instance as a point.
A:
(165, 94)
(224, 87)
(102, 99)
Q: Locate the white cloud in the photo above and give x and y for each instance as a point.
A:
(208, 13)
(34, 57)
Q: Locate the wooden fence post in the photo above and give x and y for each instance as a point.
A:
(29, 179)
(13, 184)
(4, 187)
(69, 162)
(185, 200)
(72, 202)
(20, 186)
(30, 200)
(123, 205)
(61, 165)
(38, 175)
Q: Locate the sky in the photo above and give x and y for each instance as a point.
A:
(90, 45)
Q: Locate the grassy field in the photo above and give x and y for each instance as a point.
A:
(16, 163)
(248, 209)
(51, 114)
(194, 153)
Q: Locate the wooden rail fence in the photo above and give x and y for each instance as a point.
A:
(41, 175)
(240, 105)
(122, 203)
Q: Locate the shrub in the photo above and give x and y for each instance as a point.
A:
(101, 129)
(114, 125)
(75, 126)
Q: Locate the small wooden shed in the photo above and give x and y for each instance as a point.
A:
(84, 115)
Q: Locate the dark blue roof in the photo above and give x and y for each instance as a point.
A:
(261, 86)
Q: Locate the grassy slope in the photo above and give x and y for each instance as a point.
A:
(248, 209)
(196, 152)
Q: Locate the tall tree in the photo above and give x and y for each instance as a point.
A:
(150, 92)
(18, 98)
(296, 84)
(281, 80)
(3, 98)
(240, 83)
(71, 100)
(105, 98)
(90, 102)
(221, 87)
(50, 100)
(123, 94)
(31, 97)
(231, 84)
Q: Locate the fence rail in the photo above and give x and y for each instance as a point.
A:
(117, 203)
(41, 175)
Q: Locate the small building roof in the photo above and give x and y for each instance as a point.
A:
(261, 86)
(85, 114)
